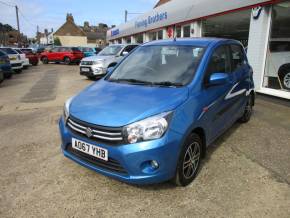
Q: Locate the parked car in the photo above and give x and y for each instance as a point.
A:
(278, 64)
(67, 55)
(152, 117)
(32, 56)
(1, 75)
(96, 66)
(88, 51)
(14, 57)
(24, 59)
(5, 65)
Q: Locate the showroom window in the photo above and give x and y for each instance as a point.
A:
(128, 40)
(152, 36)
(237, 57)
(186, 31)
(232, 26)
(139, 38)
(277, 69)
(178, 31)
(160, 35)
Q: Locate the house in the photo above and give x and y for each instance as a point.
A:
(70, 34)
(45, 38)
(96, 35)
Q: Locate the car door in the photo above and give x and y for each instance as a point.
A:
(216, 103)
(242, 72)
(52, 54)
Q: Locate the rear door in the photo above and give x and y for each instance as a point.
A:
(241, 70)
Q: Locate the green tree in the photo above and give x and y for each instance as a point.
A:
(57, 41)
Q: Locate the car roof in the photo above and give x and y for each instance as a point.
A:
(199, 41)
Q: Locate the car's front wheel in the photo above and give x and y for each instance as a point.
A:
(44, 60)
(189, 160)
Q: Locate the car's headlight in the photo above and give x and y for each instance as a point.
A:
(148, 129)
(66, 108)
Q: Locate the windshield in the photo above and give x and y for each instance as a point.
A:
(111, 50)
(159, 65)
(9, 50)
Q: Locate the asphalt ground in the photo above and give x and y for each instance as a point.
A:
(246, 172)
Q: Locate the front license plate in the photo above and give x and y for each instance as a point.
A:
(90, 149)
(85, 69)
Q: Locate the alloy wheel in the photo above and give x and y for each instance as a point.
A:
(286, 80)
(191, 160)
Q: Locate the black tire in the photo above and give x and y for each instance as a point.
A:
(67, 60)
(284, 76)
(248, 110)
(44, 60)
(8, 75)
(18, 71)
(189, 160)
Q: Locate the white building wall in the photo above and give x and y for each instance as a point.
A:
(197, 29)
(258, 44)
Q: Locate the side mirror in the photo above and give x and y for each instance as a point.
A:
(110, 70)
(218, 79)
(125, 53)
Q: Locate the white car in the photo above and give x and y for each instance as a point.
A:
(25, 61)
(14, 57)
(278, 62)
(96, 66)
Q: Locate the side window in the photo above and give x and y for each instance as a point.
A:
(219, 62)
(238, 57)
(129, 48)
(54, 50)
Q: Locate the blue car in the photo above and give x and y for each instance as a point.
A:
(5, 65)
(153, 116)
(88, 52)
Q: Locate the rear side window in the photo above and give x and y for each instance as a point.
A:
(9, 51)
(129, 48)
(75, 49)
(238, 57)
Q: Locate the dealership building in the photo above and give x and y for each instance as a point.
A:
(263, 27)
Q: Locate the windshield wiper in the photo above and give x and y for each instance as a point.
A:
(135, 81)
(168, 83)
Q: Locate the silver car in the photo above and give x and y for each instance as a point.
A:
(96, 66)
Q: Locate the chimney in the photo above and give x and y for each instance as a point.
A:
(69, 17)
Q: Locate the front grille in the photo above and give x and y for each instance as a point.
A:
(16, 65)
(97, 133)
(87, 63)
(110, 165)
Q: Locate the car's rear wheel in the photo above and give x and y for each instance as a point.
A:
(67, 60)
(284, 76)
(44, 60)
(248, 110)
(189, 160)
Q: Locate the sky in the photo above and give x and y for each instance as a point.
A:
(52, 13)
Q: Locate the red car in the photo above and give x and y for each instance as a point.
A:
(33, 57)
(62, 54)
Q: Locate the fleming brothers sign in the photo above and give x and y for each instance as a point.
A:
(115, 32)
(151, 20)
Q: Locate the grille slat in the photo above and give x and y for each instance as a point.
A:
(111, 164)
(106, 134)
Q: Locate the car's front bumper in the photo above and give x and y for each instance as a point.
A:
(134, 158)
(92, 71)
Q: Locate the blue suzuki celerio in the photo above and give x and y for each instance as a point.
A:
(152, 117)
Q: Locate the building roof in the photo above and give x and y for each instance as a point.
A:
(161, 2)
(180, 11)
(69, 28)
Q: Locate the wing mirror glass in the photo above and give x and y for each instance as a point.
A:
(125, 53)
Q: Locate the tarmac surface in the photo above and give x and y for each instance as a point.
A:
(246, 172)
